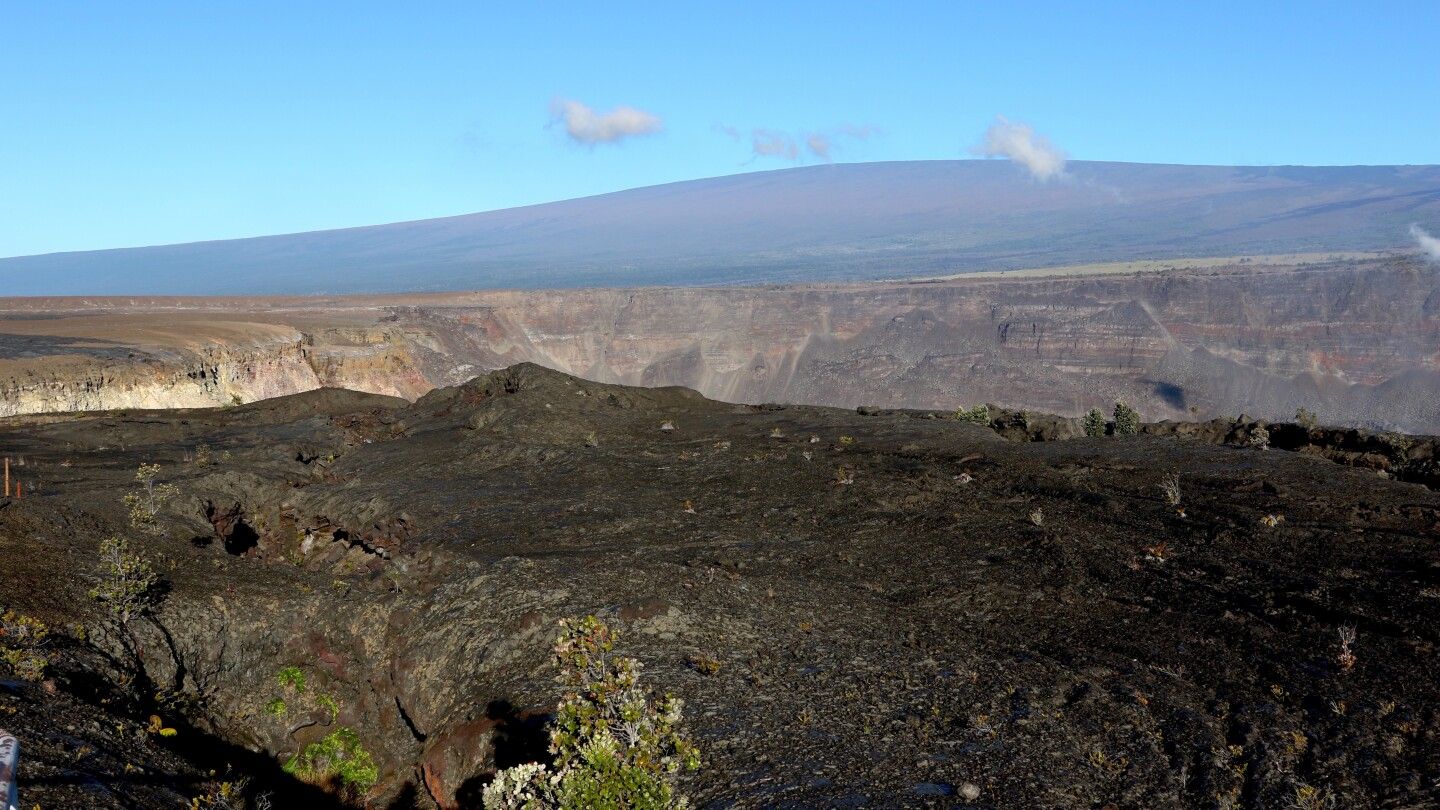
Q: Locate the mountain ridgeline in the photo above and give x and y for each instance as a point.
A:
(818, 223)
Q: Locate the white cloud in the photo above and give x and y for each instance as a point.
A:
(1020, 143)
(584, 125)
(1429, 244)
(772, 143)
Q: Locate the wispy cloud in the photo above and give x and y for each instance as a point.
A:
(1020, 143)
(820, 143)
(733, 133)
(773, 143)
(585, 125)
(1430, 245)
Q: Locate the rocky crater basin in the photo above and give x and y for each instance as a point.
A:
(902, 608)
(1351, 338)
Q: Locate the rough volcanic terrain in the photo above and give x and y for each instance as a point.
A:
(860, 607)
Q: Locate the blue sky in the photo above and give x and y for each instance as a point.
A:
(145, 123)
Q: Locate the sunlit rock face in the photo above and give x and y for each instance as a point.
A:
(1357, 342)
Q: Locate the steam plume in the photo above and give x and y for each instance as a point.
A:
(1020, 143)
(1430, 245)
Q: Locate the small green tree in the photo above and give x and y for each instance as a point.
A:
(1094, 423)
(146, 504)
(1127, 420)
(1305, 418)
(615, 745)
(128, 586)
(978, 415)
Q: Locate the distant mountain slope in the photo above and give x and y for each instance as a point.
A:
(833, 222)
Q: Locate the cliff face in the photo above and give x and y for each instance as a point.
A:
(219, 372)
(1355, 342)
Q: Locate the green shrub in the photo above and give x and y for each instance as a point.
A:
(615, 746)
(1397, 442)
(978, 415)
(146, 504)
(1094, 423)
(277, 708)
(22, 641)
(128, 585)
(1304, 418)
(338, 757)
(1127, 420)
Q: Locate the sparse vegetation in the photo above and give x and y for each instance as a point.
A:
(336, 761)
(1397, 442)
(1308, 797)
(1127, 420)
(978, 415)
(146, 504)
(22, 643)
(229, 796)
(1170, 488)
(1036, 516)
(1304, 418)
(615, 745)
(328, 702)
(1259, 438)
(1094, 423)
(296, 693)
(703, 664)
(128, 585)
(1345, 658)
